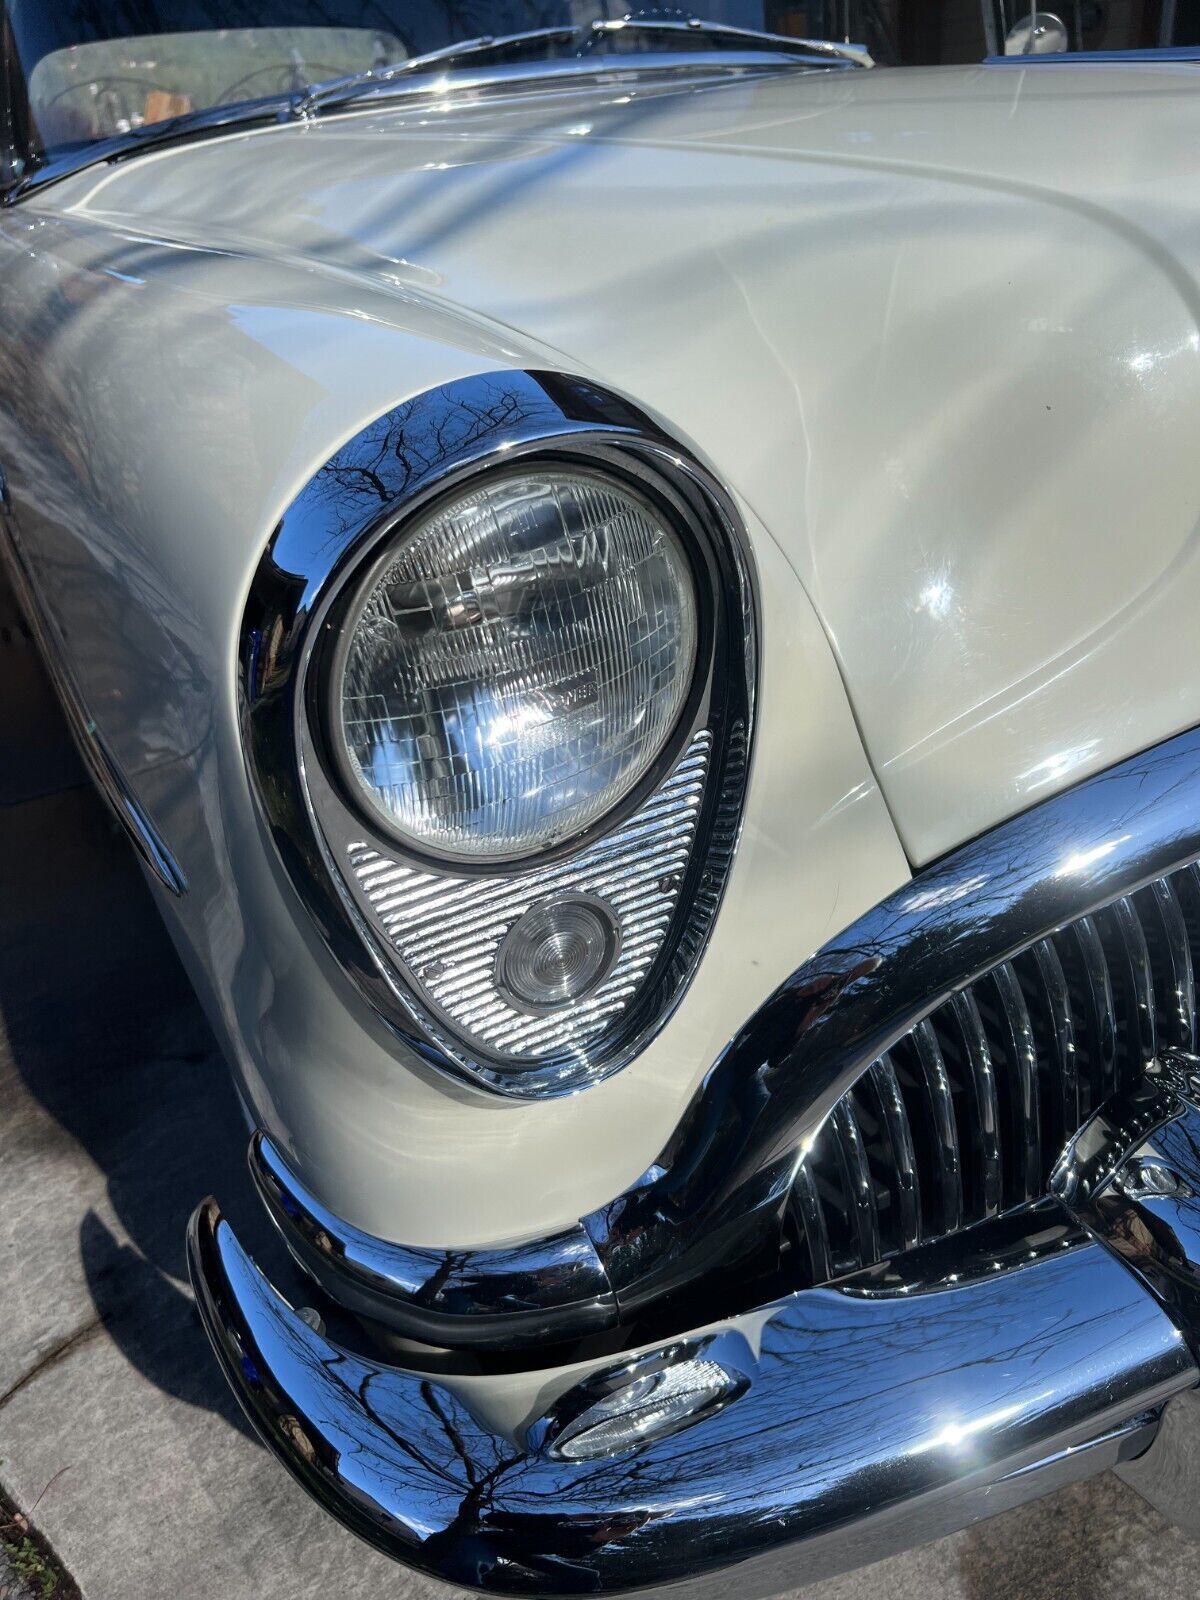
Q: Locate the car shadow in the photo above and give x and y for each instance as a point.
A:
(106, 1035)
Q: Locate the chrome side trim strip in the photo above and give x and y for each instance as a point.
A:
(987, 1104)
(1184, 983)
(1099, 981)
(1137, 956)
(941, 1107)
(811, 1216)
(1054, 983)
(857, 1177)
(94, 753)
(1024, 1088)
(866, 1422)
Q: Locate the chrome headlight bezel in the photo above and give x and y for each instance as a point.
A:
(391, 473)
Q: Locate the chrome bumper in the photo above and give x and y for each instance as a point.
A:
(870, 1421)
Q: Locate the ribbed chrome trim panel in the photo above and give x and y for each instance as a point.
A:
(975, 1102)
(447, 930)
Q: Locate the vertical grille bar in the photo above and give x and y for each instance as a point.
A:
(1181, 979)
(853, 1155)
(987, 1109)
(1062, 1032)
(811, 1216)
(1133, 939)
(899, 1132)
(1103, 1016)
(1026, 1115)
(941, 1107)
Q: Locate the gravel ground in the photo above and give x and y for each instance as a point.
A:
(117, 1115)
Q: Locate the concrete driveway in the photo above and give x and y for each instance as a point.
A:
(120, 1447)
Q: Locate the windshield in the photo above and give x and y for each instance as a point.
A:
(91, 70)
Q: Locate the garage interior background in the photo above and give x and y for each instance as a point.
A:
(938, 32)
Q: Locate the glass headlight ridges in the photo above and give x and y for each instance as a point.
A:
(517, 664)
(447, 930)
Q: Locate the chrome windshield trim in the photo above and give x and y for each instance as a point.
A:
(358, 499)
(855, 1429)
(831, 50)
(465, 83)
(340, 91)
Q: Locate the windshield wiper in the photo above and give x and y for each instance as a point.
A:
(307, 102)
(853, 54)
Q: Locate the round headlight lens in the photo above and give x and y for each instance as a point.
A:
(517, 663)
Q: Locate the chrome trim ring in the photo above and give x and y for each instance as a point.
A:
(391, 472)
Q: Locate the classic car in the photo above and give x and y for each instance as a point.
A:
(633, 581)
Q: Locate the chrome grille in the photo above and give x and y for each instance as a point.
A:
(962, 1119)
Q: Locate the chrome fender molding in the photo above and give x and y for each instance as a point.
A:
(552, 1288)
(863, 1423)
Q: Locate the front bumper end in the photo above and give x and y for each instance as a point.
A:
(1023, 1324)
(866, 1422)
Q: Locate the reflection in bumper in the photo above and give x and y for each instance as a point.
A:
(869, 1422)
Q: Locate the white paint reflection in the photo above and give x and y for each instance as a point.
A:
(1081, 860)
(945, 894)
(936, 598)
(1055, 767)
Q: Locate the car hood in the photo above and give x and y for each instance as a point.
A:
(937, 329)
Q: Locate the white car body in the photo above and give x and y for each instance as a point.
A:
(936, 332)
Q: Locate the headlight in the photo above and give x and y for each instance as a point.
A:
(516, 664)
